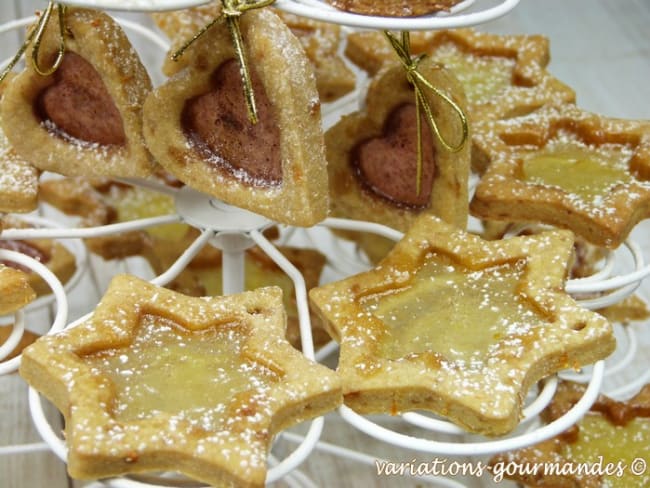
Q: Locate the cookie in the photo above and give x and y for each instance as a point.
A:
(599, 450)
(372, 155)
(52, 254)
(131, 379)
(566, 167)
(503, 75)
(18, 178)
(394, 8)
(198, 129)
(15, 291)
(459, 326)
(86, 118)
(27, 338)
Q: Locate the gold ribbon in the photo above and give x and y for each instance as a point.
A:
(36, 35)
(231, 11)
(420, 83)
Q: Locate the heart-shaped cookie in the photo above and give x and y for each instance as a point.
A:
(197, 127)
(86, 118)
(372, 154)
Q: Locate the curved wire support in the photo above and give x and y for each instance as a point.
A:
(88, 232)
(55, 285)
(184, 259)
(318, 10)
(486, 447)
(366, 459)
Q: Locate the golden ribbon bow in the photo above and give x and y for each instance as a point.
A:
(231, 11)
(419, 83)
(36, 35)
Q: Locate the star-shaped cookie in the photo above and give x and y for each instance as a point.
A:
(612, 433)
(502, 75)
(157, 381)
(460, 326)
(566, 167)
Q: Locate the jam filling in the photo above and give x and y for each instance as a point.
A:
(216, 123)
(387, 165)
(78, 107)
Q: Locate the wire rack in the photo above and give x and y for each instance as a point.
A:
(234, 230)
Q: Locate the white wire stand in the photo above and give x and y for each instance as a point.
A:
(233, 231)
(60, 318)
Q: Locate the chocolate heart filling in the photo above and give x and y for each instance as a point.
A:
(27, 249)
(387, 165)
(78, 106)
(217, 124)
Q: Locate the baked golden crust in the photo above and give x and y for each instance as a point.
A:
(614, 202)
(354, 194)
(519, 62)
(611, 416)
(394, 8)
(544, 329)
(27, 338)
(227, 444)
(296, 191)
(54, 255)
(15, 291)
(320, 41)
(18, 178)
(95, 41)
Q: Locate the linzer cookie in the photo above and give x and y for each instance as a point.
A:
(198, 386)
(15, 291)
(320, 41)
(373, 154)
(86, 118)
(459, 326)
(566, 167)
(18, 178)
(599, 451)
(394, 8)
(503, 75)
(52, 254)
(198, 128)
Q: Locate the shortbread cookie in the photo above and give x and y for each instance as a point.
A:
(18, 178)
(15, 291)
(566, 167)
(52, 254)
(320, 41)
(193, 385)
(27, 338)
(459, 326)
(612, 433)
(197, 125)
(394, 8)
(503, 75)
(86, 118)
(631, 309)
(372, 155)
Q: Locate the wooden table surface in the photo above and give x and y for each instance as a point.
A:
(599, 47)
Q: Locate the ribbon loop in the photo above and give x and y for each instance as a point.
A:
(36, 34)
(231, 11)
(411, 64)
